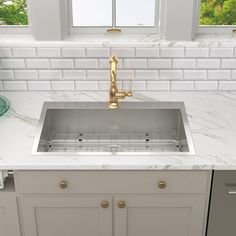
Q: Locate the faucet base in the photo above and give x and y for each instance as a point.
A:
(113, 105)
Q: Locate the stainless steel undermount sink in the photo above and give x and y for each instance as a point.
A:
(91, 128)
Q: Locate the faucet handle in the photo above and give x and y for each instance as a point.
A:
(129, 93)
(128, 88)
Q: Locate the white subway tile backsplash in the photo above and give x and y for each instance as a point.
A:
(37, 63)
(50, 75)
(221, 52)
(86, 63)
(125, 74)
(1, 85)
(134, 85)
(208, 63)
(155, 68)
(98, 75)
(62, 63)
(105, 85)
(159, 63)
(86, 85)
(233, 74)
(24, 52)
(206, 85)
(62, 85)
(6, 75)
(74, 75)
(171, 52)
(218, 75)
(15, 85)
(26, 75)
(135, 63)
(147, 52)
(98, 52)
(196, 52)
(104, 64)
(146, 75)
(123, 52)
(228, 64)
(170, 75)
(12, 63)
(5, 52)
(158, 85)
(227, 86)
(73, 52)
(183, 64)
(39, 85)
(49, 52)
(181, 85)
(194, 75)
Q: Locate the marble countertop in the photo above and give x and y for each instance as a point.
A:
(212, 118)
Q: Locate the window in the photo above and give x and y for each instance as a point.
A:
(92, 13)
(13, 15)
(217, 16)
(135, 13)
(128, 15)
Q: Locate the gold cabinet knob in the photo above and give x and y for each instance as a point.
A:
(63, 184)
(162, 184)
(121, 204)
(104, 204)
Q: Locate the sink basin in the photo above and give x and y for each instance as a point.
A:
(90, 128)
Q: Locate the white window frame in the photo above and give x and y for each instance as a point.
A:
(18, 29)
(170, 24)
(212, 29)
(126, 30)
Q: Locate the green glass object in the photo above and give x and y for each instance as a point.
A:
(4, 105)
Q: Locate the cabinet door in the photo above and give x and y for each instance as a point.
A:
(162, 215)
(9, 221)
(67, 216)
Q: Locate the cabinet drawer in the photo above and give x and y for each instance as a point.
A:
(112, 181)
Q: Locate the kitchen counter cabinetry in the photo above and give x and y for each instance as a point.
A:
(9, 221)
(119, 203)
(68, 215)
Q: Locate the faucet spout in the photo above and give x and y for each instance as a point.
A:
(115, 93)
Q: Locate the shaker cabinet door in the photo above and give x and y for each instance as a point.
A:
(66, 216)
(159, 215)
(9, 221)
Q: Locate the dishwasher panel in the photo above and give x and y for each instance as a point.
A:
(222, 214)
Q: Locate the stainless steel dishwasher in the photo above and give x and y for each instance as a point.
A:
(222, 212)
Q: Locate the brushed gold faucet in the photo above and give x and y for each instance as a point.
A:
(115, 93)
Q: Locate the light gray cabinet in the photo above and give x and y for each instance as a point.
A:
(70, 216)
(160, 215)
(113, 203)
(9, 220)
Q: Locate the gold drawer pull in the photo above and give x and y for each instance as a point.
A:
(162, 184)
(121, 204)
(63, 184)
(104, 204)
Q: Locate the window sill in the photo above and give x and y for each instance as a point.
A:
(148, 40)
